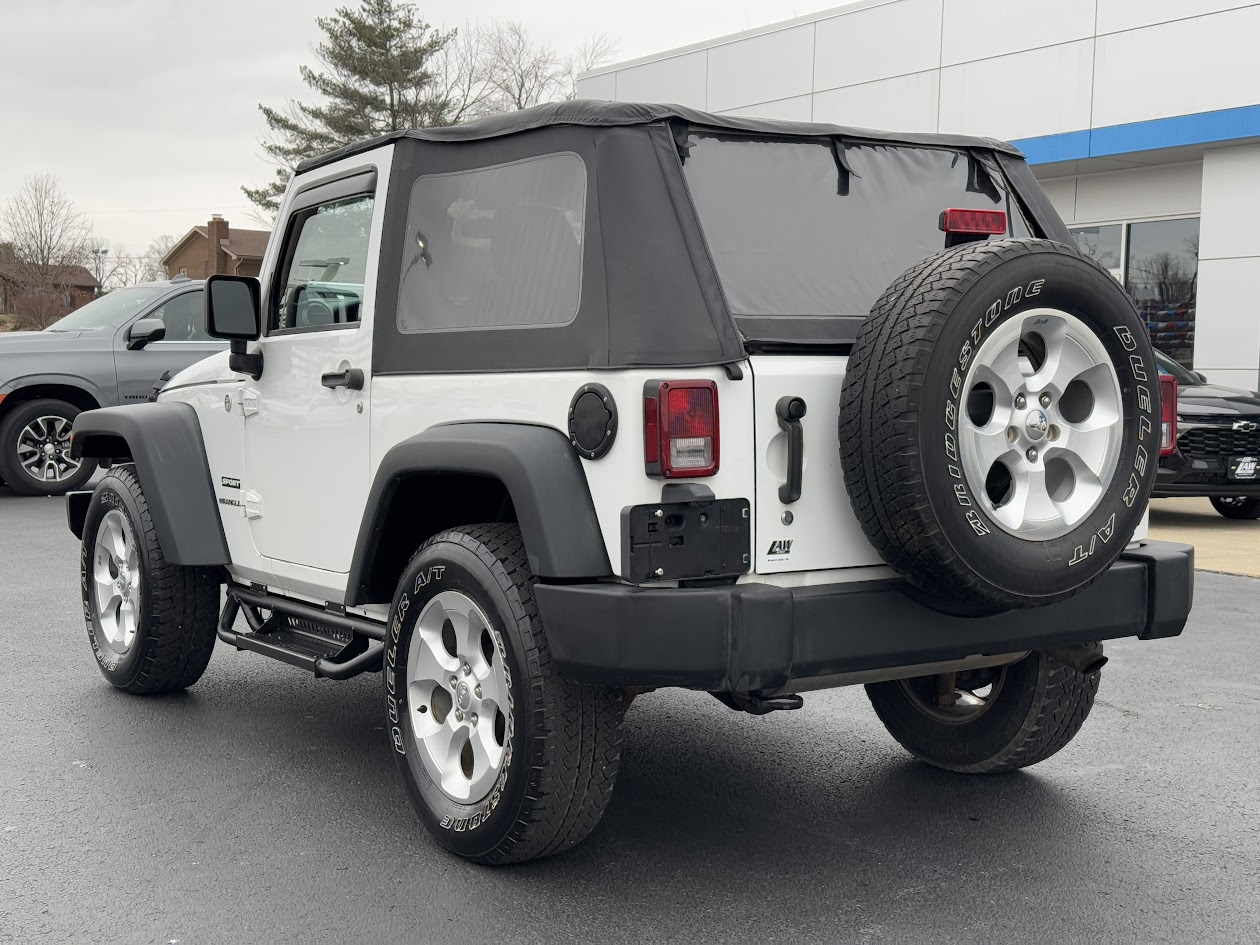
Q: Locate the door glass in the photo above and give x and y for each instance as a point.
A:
(184, 317)
(1163, 270)
(1102, 244)
(325, 266)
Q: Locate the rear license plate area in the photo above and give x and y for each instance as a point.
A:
(679, 541)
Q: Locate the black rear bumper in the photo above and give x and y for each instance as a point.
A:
(746, 637)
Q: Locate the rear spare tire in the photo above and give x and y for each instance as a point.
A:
(999, 423)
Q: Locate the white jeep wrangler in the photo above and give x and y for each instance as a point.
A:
(538, 413)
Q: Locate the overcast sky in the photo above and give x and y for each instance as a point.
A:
(147, 110)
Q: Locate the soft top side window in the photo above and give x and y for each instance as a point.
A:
(323, 267)
(495, 247)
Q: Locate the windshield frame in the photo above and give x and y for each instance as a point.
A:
(145, 294)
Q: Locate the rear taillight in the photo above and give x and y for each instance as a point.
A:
(973, 222)
(1167, 415)
(680, 429)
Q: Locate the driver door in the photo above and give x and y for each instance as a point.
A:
(307, 417)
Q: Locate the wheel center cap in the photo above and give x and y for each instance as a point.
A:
(49, 449)
(463, 698)
(1036, 424)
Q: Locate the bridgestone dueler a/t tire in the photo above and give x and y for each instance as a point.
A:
(901, 398)
(1041, 706)
(564, 739)
(179, 606)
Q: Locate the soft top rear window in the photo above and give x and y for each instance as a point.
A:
(806, 235)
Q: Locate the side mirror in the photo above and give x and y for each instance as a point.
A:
(1201, 376)
(234, 313)
(233, 308)
(144, 331)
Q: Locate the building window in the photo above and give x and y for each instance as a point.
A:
(1157, 261)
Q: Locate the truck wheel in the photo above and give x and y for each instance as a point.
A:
(35, 449)
(151, 624)
(1241, 507)
(999, 424)
(504, 759)
(987, 721)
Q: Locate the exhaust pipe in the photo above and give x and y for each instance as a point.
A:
(1086, 658)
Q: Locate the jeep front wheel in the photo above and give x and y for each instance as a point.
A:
(35, 449)
(504, 760)
(151, 624)
(986, 721)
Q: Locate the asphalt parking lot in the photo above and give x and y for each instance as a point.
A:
(263, 806)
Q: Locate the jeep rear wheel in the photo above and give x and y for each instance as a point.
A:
(987, 721)
(35, 449)
(999, 427)
(504, 760)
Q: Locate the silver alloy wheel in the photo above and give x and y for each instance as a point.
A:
(116, 581)
(969, 700)
(43, 449)
(458, 695)
(1040, 432)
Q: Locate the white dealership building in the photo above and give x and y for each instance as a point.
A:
(1140, 117)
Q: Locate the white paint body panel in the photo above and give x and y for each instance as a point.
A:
(824, 532)
(405, 406)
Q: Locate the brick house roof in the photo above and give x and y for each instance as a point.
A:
(241, 244)
(76, 276)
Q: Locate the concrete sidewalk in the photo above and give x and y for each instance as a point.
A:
(1220, 544)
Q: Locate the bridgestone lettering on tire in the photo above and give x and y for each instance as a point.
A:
(999, 424)
(556, 743)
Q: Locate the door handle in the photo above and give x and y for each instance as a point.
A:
(789, 410)
(350, 378)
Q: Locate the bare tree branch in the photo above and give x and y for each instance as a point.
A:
(594, 51)
(47, 237)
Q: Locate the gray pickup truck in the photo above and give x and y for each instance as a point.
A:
(111, 351)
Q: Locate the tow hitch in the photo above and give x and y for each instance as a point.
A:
(755, 703)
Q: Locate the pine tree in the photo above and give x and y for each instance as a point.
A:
(375, 75)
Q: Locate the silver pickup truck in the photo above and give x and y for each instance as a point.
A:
(111, 351)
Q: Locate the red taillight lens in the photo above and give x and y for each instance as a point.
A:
(680, 429)
(974, 222)
(1167, 415)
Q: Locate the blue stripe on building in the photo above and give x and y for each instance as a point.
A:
(1228, 124)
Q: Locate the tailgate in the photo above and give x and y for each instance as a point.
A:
(823, 532)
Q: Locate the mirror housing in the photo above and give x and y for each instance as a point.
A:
(234, 313)
(143, 331)
(1201, 376)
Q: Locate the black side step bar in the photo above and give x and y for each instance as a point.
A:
(331, 645)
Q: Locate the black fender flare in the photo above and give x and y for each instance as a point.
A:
(164, 442)
(541, 472)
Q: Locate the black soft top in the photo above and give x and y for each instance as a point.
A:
(597, 114)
